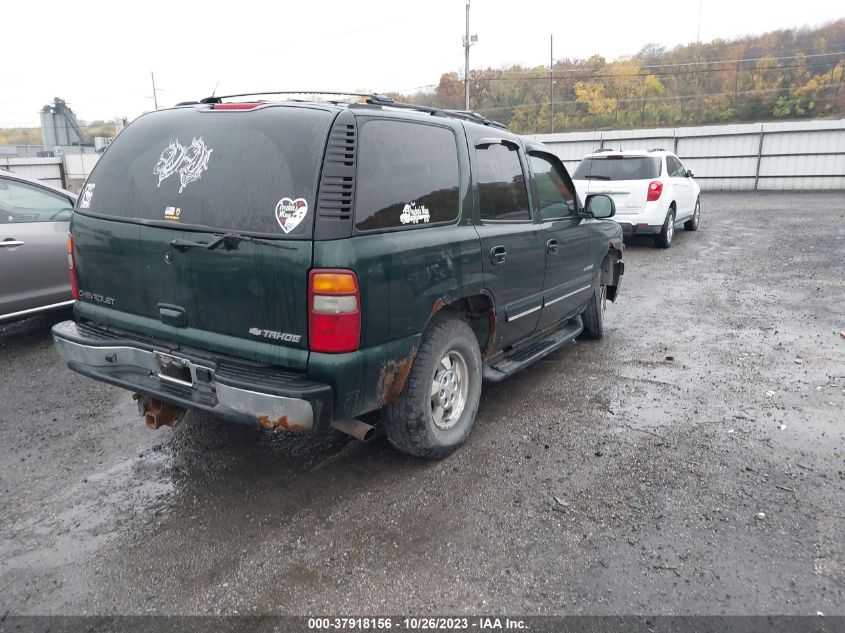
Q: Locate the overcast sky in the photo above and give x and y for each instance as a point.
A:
(98, 55)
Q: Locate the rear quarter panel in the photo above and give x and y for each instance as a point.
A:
(405, 277)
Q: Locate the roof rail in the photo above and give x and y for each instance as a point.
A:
(369, 95)
(466, 115)
(658, 149)
(604, 149)
(372, 99)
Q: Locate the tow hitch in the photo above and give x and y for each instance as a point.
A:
(157, 413)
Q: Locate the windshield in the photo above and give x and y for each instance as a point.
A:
(254, 171)
(618, 168)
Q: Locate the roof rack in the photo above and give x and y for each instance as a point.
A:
(369, 95)
(604, 149)
(372, 99)
(658, 149)
(466, 115)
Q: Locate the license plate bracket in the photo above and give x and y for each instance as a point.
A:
(174, 369)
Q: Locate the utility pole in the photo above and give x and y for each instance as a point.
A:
(155, 96)
(468, 41)
(551, 84)
(698, 34)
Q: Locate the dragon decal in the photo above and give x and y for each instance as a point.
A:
(189, 162)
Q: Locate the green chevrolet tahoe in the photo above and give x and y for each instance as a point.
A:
(303, 265)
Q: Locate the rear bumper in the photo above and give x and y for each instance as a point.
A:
(629, 229)
(227, 387)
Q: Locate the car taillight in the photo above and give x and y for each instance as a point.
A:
(334, 315)
(71, 264)
(655, 188)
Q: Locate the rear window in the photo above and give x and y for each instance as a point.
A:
(407, 175)
(501, 184)
(243, 171)
(618, 168)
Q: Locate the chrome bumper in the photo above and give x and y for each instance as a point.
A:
(174, 378)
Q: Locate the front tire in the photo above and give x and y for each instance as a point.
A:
(664, 238)
(693, 222)
(593, 315)
(436, 410)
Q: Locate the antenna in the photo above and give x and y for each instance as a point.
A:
(214, 92)
(155, 96)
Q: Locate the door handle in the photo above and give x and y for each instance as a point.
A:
(11, 242)
(551, 247)
(498, 254)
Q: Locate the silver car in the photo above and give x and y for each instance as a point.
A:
(34, 220)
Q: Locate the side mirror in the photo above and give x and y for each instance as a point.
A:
(600, 206)
(690, 173)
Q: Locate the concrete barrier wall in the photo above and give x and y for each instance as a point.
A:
(745, 157)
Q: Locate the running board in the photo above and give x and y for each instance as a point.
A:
(523, 357)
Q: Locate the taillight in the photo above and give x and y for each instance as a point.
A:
(71, 264)
(655, 188)
(334, 314)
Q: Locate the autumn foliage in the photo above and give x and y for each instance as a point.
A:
(787, 74)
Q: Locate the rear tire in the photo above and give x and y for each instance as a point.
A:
(664, 238)
(593, 314)
(436, 410)
(693, 222)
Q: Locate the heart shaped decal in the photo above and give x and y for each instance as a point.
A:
(289, 213)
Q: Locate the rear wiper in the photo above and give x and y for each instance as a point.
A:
(228, 241)
(183, 245)
(592, 177)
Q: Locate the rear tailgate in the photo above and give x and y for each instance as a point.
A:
(172, 184)
(624, 178)
(628, 195)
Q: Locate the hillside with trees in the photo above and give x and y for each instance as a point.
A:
(787, 74)
(32, 135)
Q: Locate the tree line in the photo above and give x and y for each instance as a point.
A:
(32, 135)
(785, 74)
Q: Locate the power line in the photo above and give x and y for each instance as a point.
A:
(740, 61)
(544, 76)
(687, 64)
(652, 99)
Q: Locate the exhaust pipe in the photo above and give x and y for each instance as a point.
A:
(357, 429)
(157, 413)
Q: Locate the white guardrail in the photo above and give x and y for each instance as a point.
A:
(744, 157)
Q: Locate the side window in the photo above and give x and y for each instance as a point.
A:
(674, 167)
(21, 202)
(407, 175)
(501, 185)
(555, 198)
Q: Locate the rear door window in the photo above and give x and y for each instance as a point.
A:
(408, 175)
(618, 168)
(252, 171)
(674, 167)
(555, 199)
(22, 202)
(501, 184)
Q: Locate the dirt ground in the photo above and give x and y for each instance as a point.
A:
(689, 463)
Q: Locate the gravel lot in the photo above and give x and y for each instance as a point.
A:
(689, 463)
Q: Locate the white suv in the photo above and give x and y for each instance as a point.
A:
(652, 190)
